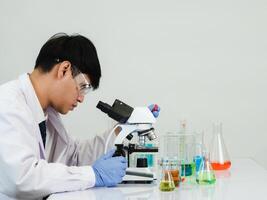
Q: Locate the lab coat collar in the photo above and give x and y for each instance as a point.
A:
(55, 119)
(31, 98)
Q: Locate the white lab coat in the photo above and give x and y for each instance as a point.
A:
(27, 171)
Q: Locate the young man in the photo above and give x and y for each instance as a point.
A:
(37, 157)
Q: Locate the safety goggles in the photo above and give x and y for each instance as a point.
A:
(82, 83)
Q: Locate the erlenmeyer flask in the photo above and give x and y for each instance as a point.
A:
(205, 175)
(166, 183)
(219, 156)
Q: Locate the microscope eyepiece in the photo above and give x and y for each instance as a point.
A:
(119, 111)
(104, 107)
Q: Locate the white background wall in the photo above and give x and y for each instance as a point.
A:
(199, 60)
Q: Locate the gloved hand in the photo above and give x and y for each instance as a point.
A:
(109, 170)
(154, 108)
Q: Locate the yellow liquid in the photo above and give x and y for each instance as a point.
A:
(166, 186)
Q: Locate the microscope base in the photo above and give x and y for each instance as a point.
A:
(139, 175)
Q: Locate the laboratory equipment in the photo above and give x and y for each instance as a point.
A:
(199, 149)
(166, 183)
(186, 150)
(189, 163)
(131, 122)
(174, 169)
(197, 160)
(169, 145)
(205, 175)
(183, 146)
(219, 156)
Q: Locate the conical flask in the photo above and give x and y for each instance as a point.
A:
(166, 183)
(205, 175)
(219, 156)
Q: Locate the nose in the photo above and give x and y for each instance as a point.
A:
(80, 98)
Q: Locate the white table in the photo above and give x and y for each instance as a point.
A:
(246, 180)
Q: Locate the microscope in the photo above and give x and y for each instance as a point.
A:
(132, 122)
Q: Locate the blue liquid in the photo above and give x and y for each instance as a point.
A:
(150, 160)
(150, 157)
(198, 160)
(187, 169)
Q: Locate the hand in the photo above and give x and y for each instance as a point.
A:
(154, 108)
(109, 170)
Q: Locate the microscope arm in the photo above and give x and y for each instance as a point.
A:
(125, 131)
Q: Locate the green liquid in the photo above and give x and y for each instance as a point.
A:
(166, 186)
(206, 178)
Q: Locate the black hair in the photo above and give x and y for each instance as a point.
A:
(76, 49)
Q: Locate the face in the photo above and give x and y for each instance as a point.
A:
(69, 91)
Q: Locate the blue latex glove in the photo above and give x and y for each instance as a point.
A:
(109, 170)
(154, 108)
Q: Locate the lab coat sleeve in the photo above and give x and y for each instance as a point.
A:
(23, 174)
(85, 152)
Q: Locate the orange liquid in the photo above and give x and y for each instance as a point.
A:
(175, 177)
(221, 166)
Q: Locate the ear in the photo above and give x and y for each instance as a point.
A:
(64, 69)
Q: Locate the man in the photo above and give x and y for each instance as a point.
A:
(37, 157)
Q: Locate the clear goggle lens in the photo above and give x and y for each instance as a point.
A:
(82, 83)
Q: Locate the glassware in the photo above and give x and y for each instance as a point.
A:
(197, 160)
(199, 150)
(206, 175)
(186, 146)
(166, 183)
(219, 156)
(187, 159)
(183, 145)
(170, 142)
(175, 171)
(186, 141)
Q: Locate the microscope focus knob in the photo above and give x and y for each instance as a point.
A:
(130, 136)
(119, 151)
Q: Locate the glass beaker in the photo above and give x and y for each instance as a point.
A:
(166, 183)
(186, 154)
(219, 156)
(205, 175)
(169, 145)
